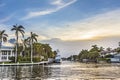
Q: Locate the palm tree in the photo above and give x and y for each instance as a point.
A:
(31, 39)
(18, 29)
(24, 44)
(3, 38)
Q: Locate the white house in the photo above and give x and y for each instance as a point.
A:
(6, 52)
(116, 58)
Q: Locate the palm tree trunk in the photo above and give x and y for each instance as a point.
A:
(16, 55)
(31, 52)
(31, 49)
(0, 47)
(23, 51)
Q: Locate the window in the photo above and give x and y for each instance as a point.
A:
(9, 53)
(4, 57)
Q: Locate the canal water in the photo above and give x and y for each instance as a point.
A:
(64, 71)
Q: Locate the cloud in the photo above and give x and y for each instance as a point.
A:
(68, 48)
(2, 5)
(98, 26)
(57, 2)
(104, 24)
(33, 14)
(6, 19)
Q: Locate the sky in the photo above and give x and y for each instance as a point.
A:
(67, 25)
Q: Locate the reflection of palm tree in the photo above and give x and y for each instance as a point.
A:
(3, 37)
(31, 39)
(18, 29)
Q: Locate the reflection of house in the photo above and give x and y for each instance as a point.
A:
(116, 58)
(6, 52)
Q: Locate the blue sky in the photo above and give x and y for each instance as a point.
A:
(78, 10)
(64, 21)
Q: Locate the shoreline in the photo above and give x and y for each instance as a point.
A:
(26, 64)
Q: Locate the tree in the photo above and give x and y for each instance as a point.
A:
(18, 29)
(24, 45)
(91, 55)
(101, 49)
(94, 48)
(117, 50)
(31, 39)
(54, 54)
(108, 49)
(83, 54)
(94, 53)
(47, 51)
(3, 38)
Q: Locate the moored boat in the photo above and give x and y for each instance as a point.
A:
(58, 59)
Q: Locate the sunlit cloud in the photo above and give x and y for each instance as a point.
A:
(33, 14)
(96, 27)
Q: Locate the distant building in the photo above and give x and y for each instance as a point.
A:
(6, 52)
(116, 58)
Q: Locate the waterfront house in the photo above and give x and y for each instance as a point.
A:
(7, 50)
(116, 58)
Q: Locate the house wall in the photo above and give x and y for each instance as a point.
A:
(115, 59)
(5, 54)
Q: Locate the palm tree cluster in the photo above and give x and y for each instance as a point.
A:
(29, 43)
(96, 54)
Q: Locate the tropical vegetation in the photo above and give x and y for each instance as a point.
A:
(27, 49)
(95, 54)
(18, 29)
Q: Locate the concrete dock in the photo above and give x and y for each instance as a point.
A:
(25, 64)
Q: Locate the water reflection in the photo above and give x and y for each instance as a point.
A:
(64, 71)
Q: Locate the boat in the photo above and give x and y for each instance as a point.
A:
(58, 59)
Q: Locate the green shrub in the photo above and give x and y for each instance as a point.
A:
(108, 59)
(36, 59)
(19, 58)
(103, 59)
(109, 56)
(12, 59)
(25, 59)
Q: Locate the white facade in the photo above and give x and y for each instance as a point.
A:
(6, 52)
(116, 58)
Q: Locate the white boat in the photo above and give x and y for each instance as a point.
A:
(58, 59)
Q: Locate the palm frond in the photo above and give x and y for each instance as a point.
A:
(2, 32)
(5, 35)
(21, 27)
(22, 34)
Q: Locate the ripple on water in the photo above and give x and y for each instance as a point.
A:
(63, 71)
